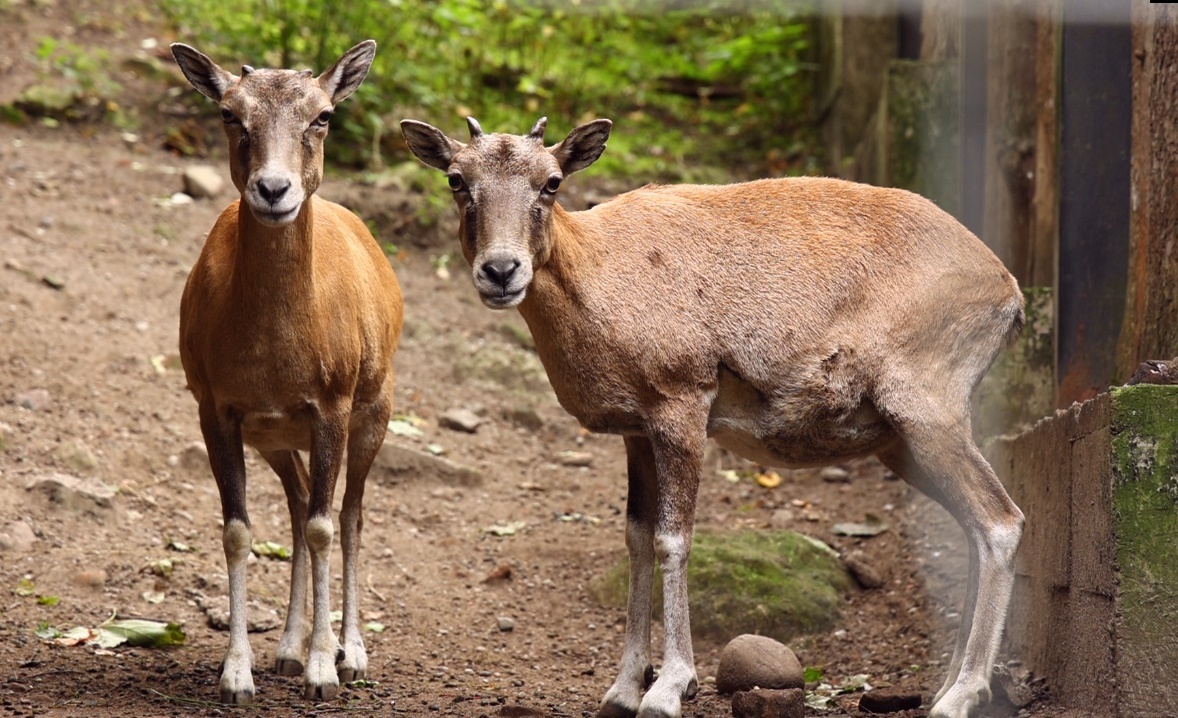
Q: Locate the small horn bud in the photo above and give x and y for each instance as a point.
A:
(245, 70)
(475, 128)
(537, 132)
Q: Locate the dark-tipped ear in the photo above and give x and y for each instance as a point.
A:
(429, 144)
(204, 74)
(342, 78)
(582, 147)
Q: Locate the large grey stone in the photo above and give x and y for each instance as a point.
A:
(405, 462)
(88, 496)
(18, 537)
(202, 181)
(750, 661)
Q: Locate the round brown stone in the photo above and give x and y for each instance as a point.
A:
(750, 661)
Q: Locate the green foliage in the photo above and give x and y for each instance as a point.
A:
(688, 84)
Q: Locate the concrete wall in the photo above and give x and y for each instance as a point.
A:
(1095, 609)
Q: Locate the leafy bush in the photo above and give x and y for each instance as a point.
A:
(688, 84)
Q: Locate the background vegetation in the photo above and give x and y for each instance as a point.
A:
(697, 90)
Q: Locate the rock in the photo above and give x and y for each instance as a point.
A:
(506, 624)
(524, 415)
(202, 181)
(775, 583)
(259, 619)
(33, 399)
(6, 433)
(750, 661)
(88, 496)
(460, 420)
(781, 519)
(94, 578)
(574, 458)
(835, 475)
(195, 457)
(789, 703)
(403, 461)
(19, 537)
(888, 701)
(1010, 686)
(501, 366)
(862, 570)
(76, 455)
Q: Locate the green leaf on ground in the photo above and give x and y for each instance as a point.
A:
(270, 549)
(48, 600)
(24, 587)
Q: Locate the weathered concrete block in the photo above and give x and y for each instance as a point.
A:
(1095, 609)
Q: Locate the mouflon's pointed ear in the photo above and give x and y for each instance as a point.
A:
(342, 78)
(429, 144)
(204, 74)
(582, 147)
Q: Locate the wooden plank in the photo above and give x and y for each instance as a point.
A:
(1150, 328)
(1096, 106)
(1045, 198)
(1010, 133)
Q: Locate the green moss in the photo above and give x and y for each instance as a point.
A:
(1145, 498)
(777, 584)
(921, 130)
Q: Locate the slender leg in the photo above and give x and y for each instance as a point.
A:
(327, 447)
(944, 462)
(678, 442)
(292, 648)
(364, 440)
(222, 435)
(623, 698)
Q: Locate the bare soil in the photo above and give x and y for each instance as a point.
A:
(83, 209)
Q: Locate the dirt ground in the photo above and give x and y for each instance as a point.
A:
(92, 263)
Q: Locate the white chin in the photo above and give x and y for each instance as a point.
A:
(275, 219)
(504, 302)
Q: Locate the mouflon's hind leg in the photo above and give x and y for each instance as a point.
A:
(292, 647)
(222, 435)
(635, 674)
(364, 441)
(941, 460)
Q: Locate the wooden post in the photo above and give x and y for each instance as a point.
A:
(1150, 328)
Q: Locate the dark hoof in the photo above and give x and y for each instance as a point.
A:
(613, 710)
(238, 698)
(648, 676)
(325, 692)
(288, 667)
(347, 675)
(691, 690)
(340, 655)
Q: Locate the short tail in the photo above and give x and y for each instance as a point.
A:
(1018, 321)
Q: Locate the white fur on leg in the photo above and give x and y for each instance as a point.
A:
(237, 681)
(963, 630)
(320, 681)
(354, 667)
(677, 676)
(971, 691)
(626, 692)
(292, 647)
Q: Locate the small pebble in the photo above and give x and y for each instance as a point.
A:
(506, 624)
(835, 475)
(95, 578)
(33, 399)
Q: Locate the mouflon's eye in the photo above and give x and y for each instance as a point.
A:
(323, 118)
(553, 184)
(227, 116)
(456, 182)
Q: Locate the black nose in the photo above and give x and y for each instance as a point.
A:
(499, 271)
(273, 189)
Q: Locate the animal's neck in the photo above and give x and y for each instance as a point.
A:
(559, 280)
(275, 264)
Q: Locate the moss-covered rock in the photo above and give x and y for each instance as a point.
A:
(776, 584)
(504, 366)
